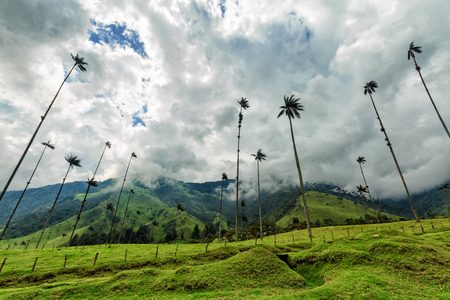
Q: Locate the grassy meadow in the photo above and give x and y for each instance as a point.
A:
(387, 261)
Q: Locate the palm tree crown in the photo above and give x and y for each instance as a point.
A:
(259, 155)
(370, 87)
(361, 159)
(291, 107)
(412, 49)
(108, 144)
(73, 160)
(92, 182)
(155, 223)
(224, 176)
(361, 189)
(134, 155)
(244, 103)
(51, 146)
(79, 61)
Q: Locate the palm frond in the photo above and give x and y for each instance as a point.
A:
(259, 155)
(92, 182)
(291, 107)
(49, 145)
(108, 144)
(224, 176)
(134, 155)
(155, 223)
(73, 160)
(132, 191)
(370, 87)
(180, 207)
(362, 189)
(361, 159)
(412, 49)
(244, 103)
(79, 61)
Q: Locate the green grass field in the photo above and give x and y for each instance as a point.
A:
(387, 261)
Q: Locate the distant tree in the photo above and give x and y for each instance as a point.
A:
(224, 177)
(259, 156)
(416, 49)
(79, 61)
(125, 214)
(362, 160)
(73, 161)
(109, 208)
(195, 233)
(292, 110)
(133, 155)
(244, 105)
(47, 145)
(90, 182)
(369, 88)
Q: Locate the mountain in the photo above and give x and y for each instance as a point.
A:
(328, 204)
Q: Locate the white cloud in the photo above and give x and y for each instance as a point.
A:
(200, 64)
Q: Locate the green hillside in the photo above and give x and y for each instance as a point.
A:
(325, 209)
(388, 261)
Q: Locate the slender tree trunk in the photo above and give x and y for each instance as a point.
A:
(259, 200)
(124, 217)
(237, 174)
(53, 207)
(308, 225)
(85, 198)
(118, 201)
(34, 135)
(220, 217)
(370, 196)
(395, 160)
(429, 95)
(23, 193)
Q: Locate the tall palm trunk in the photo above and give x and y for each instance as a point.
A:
(300, 177)
(259, 201)
(118, 201)
(34, 135)
(370, 196)
(220, 217)
(237, 173)
(429, 95)
(85, 197)
(395, 160)
(53, 207)
(124, 217)
(23, 193)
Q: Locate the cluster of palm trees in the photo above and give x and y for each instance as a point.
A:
(291, 109)
(73, 161)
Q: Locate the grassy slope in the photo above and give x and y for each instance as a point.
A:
(365, 262)
(324, 206)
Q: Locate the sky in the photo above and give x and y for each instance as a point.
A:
(164, 77)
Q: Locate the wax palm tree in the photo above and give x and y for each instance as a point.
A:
(292, 110)
(133, 155)
(180, 209)
(109, 207)
(362, 190)
(362, 160)
(416, 49)
(224, 177)
(47, 145)
(369, 88)
(244, 105)
(73, 161)
(259, 156)
(79, 61)
(90, 182)
(63, 236)
(125, 214)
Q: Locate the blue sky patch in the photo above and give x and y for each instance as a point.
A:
(117, 35)
(137, 120)
(222, 7)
